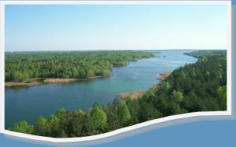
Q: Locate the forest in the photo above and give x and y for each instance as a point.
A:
(195, 87)
(206, 53)
(22, 66)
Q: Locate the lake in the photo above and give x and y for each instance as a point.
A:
(44, 100)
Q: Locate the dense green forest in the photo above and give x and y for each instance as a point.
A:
(206, 53)
(195, 87)
(21, 66)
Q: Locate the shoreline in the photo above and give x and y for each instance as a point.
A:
(163, 76)
(40, 81)
(131, 95)
(140, 93)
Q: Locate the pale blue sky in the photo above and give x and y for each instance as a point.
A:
(76, 27)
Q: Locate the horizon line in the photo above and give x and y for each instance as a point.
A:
(112, 50)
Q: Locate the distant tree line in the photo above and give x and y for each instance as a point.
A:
(195, 87)
(206, 53)
(22, 66)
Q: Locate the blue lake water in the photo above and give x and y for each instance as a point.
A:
(44, 100)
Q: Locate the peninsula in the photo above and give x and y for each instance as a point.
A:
(34, 68)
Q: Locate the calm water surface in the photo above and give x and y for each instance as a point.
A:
(44, 100)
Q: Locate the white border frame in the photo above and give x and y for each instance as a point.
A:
(122, 130)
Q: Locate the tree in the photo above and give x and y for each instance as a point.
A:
(88, 125)
(61, 112)
(53, 124)
(41, 126)
(75, 72)
(99, 117)
(174, 108)
(76, 123)
(165, 86)
(112, 117)
(177, 96)
(90, 73)
(64, 118)
(148, 112)
(22, 127)
(82, 74)
(19, 76)
(106, 73)
(221, 91)
(123, 113)
(192, 88)
(21, 66)
(134, 108)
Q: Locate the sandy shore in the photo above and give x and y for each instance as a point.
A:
(61, 80)
(138, 94)
(38, 81)
(163, 76)
(18, 84)
(132, 95)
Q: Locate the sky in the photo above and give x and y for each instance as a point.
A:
(92, 27)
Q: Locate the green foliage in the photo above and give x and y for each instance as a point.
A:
(123, 113)
(207, 53)
(134, 109)
(165, 86)
(222, 93)
(41, 126)
(88, 126)
(112, 116)
(53, 125)
(75, 124)
(21, 66)
(148, 112)
(99, 118)
(199, 84)
(177, 96)
(192, 88)
(22, 127)
(61, 112)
